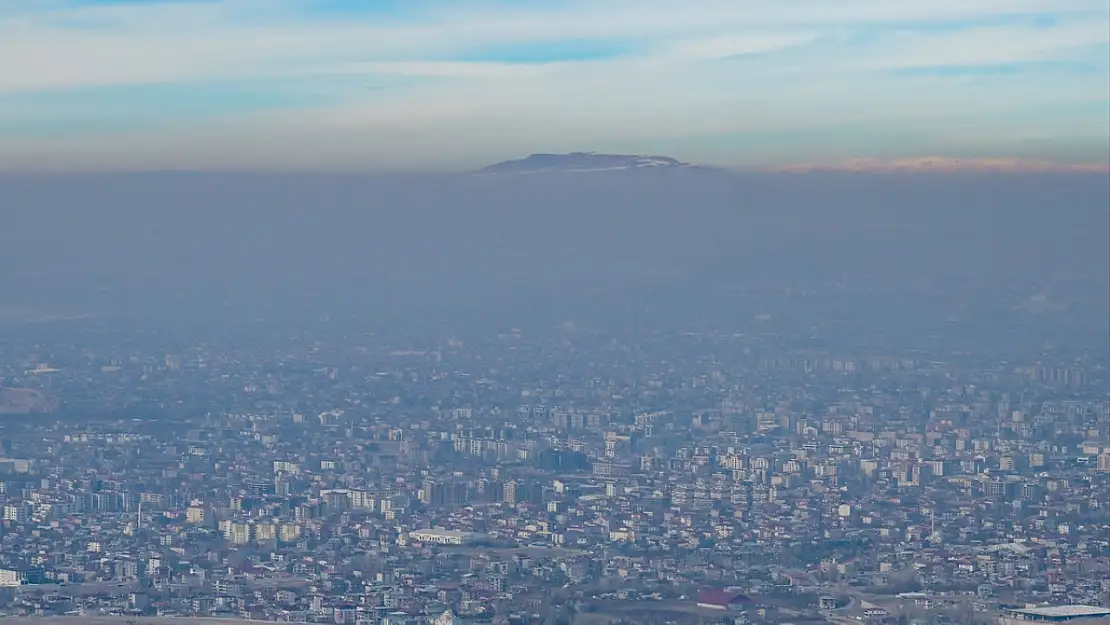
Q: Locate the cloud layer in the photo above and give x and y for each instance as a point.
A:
(375, 84)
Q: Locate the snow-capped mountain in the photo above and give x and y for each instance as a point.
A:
(585, 162)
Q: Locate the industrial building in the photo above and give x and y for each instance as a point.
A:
(1074, 614)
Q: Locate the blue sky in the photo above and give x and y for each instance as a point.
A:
(445, 84)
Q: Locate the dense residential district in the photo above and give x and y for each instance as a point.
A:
(558, 477)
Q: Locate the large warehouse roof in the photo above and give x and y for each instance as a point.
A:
(1063, 611)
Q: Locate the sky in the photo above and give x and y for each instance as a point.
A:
(388, 85)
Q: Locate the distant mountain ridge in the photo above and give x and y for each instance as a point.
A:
(575, 162)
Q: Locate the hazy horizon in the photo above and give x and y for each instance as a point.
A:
(905, 255)
(944, 162)
(895, 166)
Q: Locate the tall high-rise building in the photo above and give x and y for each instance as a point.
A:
(508, 492)
(440, 494)
(1104, 462)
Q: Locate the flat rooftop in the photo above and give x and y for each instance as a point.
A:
(1057, 611)
(442, 532)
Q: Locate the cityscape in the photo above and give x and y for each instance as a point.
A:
(559, 475)
(562, 312)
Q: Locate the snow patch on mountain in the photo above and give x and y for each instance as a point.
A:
(580, 162)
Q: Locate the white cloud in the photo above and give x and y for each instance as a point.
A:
(994, 45)
(434, 69)
(249, 38)
(701, 68)
(733, 45)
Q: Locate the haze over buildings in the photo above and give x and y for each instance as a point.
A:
(573, 312)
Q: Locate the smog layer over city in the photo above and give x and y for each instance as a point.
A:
(712, 312)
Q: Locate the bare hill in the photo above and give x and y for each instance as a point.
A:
(25, 401)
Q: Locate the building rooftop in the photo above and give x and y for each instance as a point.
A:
(436, 531)
(1073, 611)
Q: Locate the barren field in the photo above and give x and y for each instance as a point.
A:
(121, 620)
(17, 401)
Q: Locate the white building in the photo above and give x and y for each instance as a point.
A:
(10, 578)
(445, 537)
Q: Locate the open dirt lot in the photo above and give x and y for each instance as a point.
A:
(120, 620)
